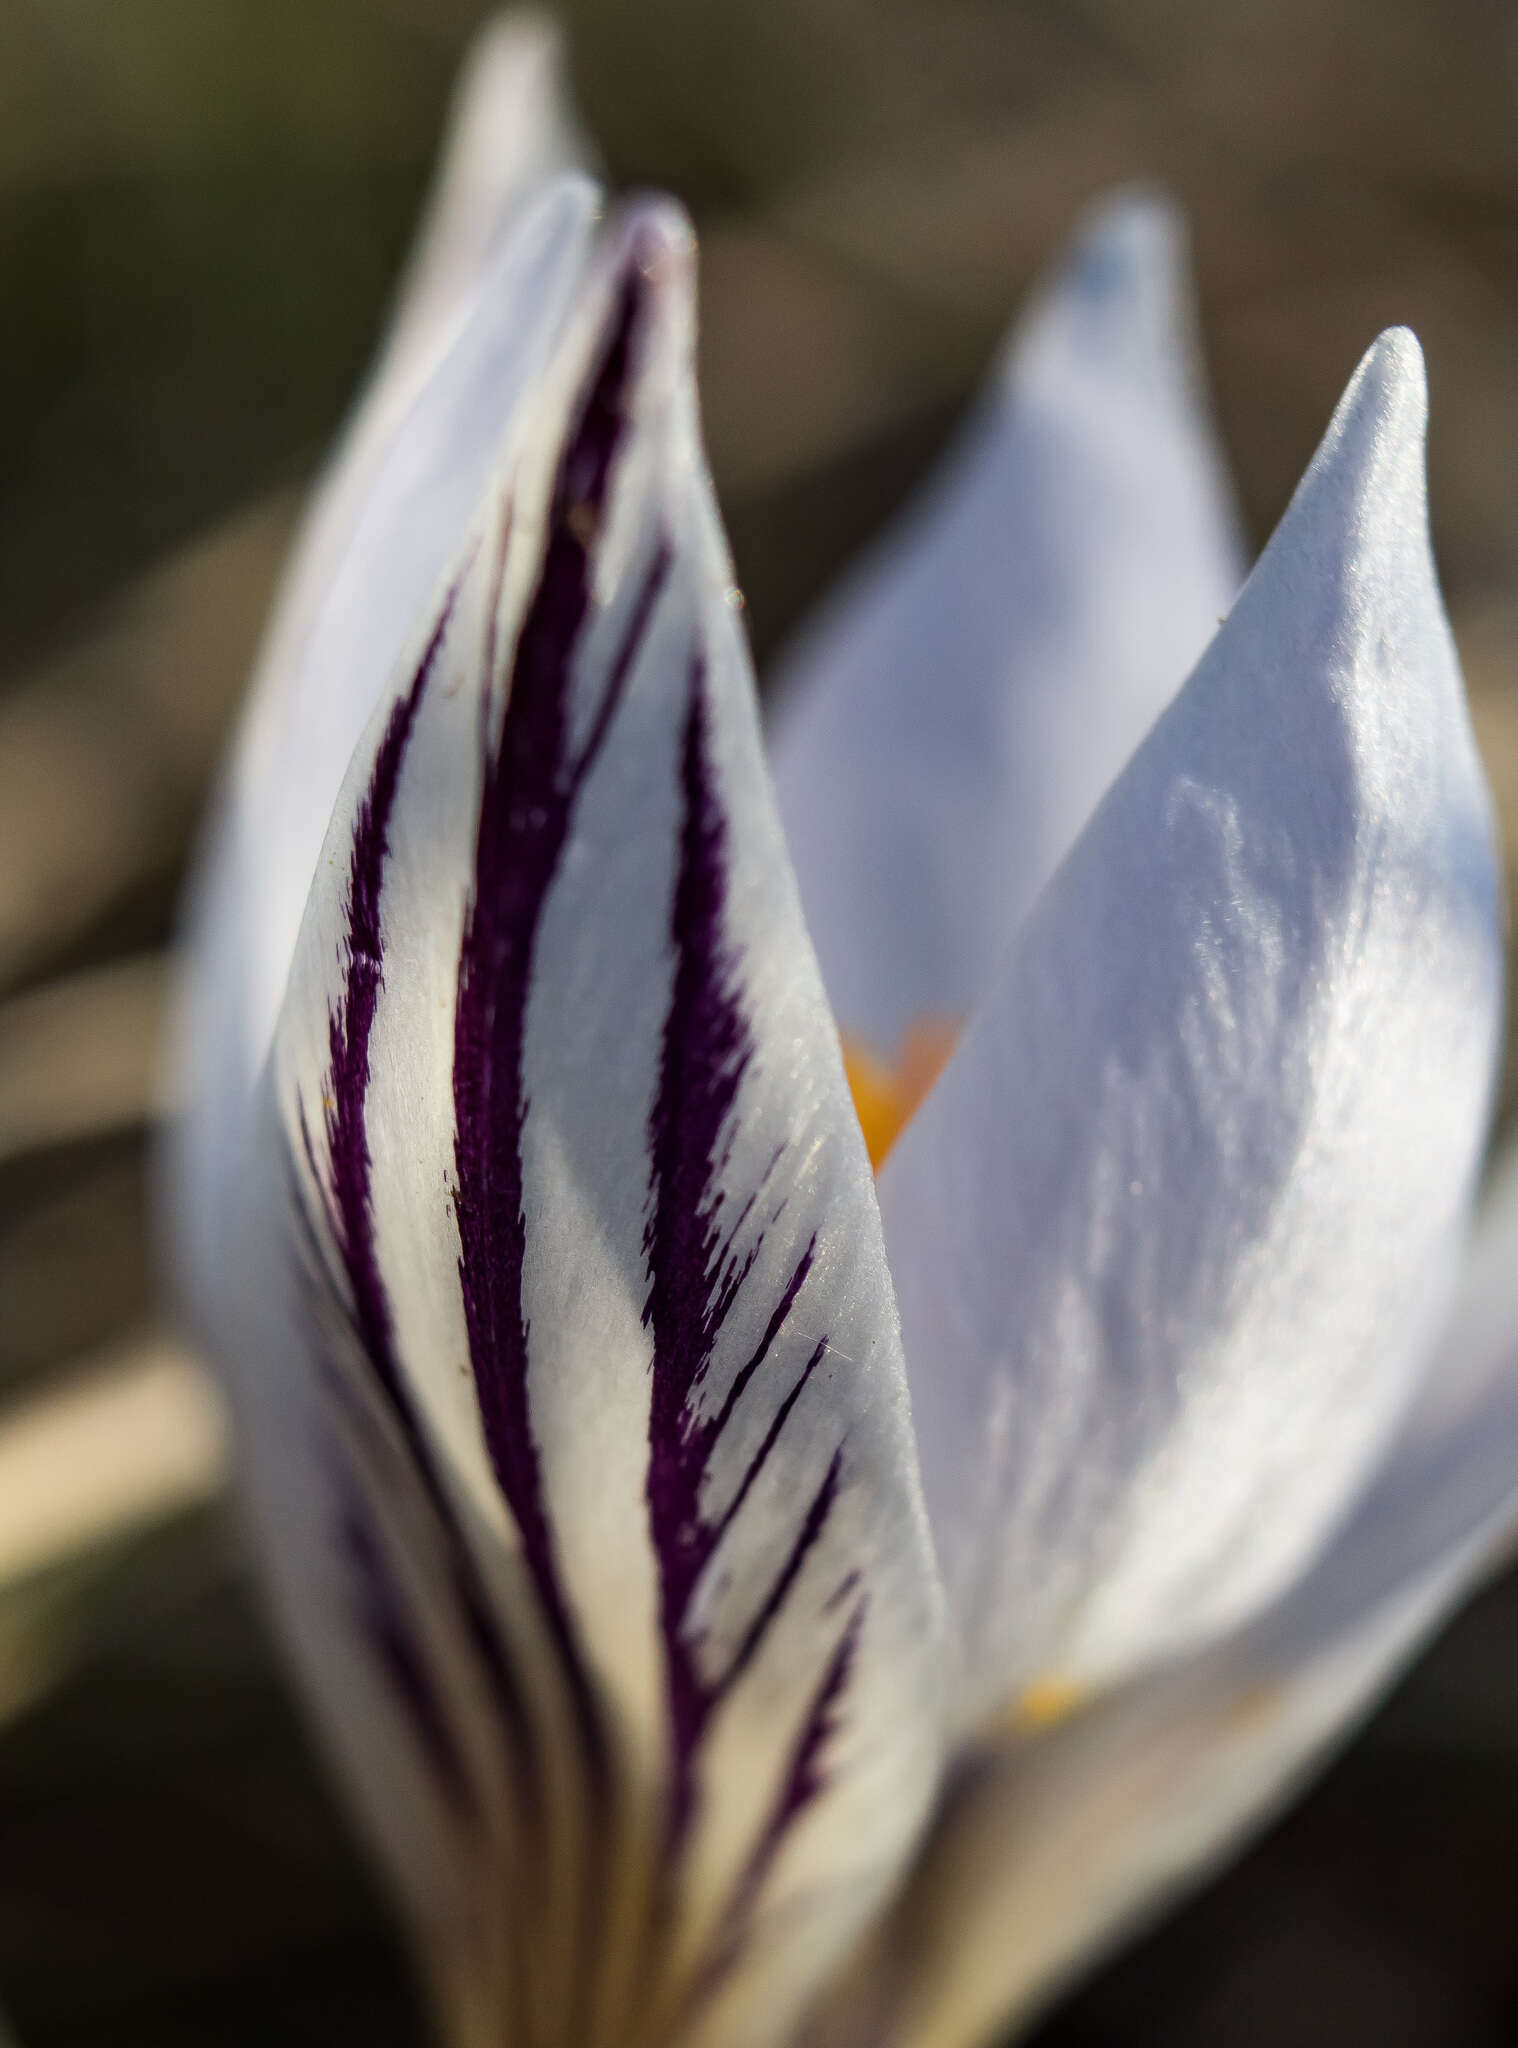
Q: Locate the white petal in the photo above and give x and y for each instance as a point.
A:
(594, 1342)
(511, 132)
(1052, 1851)
(511, 128)
(1445, 1501)
(1172, 1233)
(494, 259)
(379, 537)
(946, 730)
(312, 700)
(1047, 1857)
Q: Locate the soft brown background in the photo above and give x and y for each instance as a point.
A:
(201, 205)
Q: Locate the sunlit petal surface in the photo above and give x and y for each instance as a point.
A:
(1048, 1851)
(1172, 1234)
(567, 1354)
(945, 730)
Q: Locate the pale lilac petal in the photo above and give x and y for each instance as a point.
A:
(378, 539)
(1444, 1503)
(490, 280)
(315, 695)
(511, 132)
(1053, 1850)
(1172, 1234)
(512, 127)
(503, 236)
(495, 257)
(944, 732)
(592, 1477)
(1047, 1857)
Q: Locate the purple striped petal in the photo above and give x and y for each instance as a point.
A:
(380, 534)
(609, 1493)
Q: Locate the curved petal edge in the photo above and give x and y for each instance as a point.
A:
(1173, 1232)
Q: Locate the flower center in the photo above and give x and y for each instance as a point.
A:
(1047, 1701)
(887, 1091)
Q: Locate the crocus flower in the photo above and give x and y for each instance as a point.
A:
(749, 1602)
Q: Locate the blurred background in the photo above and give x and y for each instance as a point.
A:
(203, 204)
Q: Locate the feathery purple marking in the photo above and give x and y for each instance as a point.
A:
(351, 1021)
(806, 1777)
(804, 1780)
(812, 1525)
(381, 1611)
(347, 1195)
(530, 787)
(745, 1373)
(386, 1624)
(707, 1049)
(694, 1276)
(841, 1591)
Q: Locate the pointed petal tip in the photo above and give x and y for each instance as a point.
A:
(1142, 226)
(632, 321)
(520, 37)
(1130, 244)
(563, 212)
(1376, 436)
(655, 234)
(1117, 308)
(1362, 503)
(568, 202)
(1399, 350)
(650, 256)
(511, 126)
(1390, 388)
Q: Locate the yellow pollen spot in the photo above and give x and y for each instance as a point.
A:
(1047, 1702)
(887, 1092)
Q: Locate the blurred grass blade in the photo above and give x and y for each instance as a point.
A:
(92, 1474)
(79, 1058)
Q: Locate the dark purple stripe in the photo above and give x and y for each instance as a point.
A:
(782, 1413)
(812, 1525)
(380, 1612)
(804, 1779)
(351, 1021)
(841, 1592)
(531, 784)
(776, 1323)
(707, 1049)
(734, 1272)
(694, 1275)
(347, 1186)
(383, 1616)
